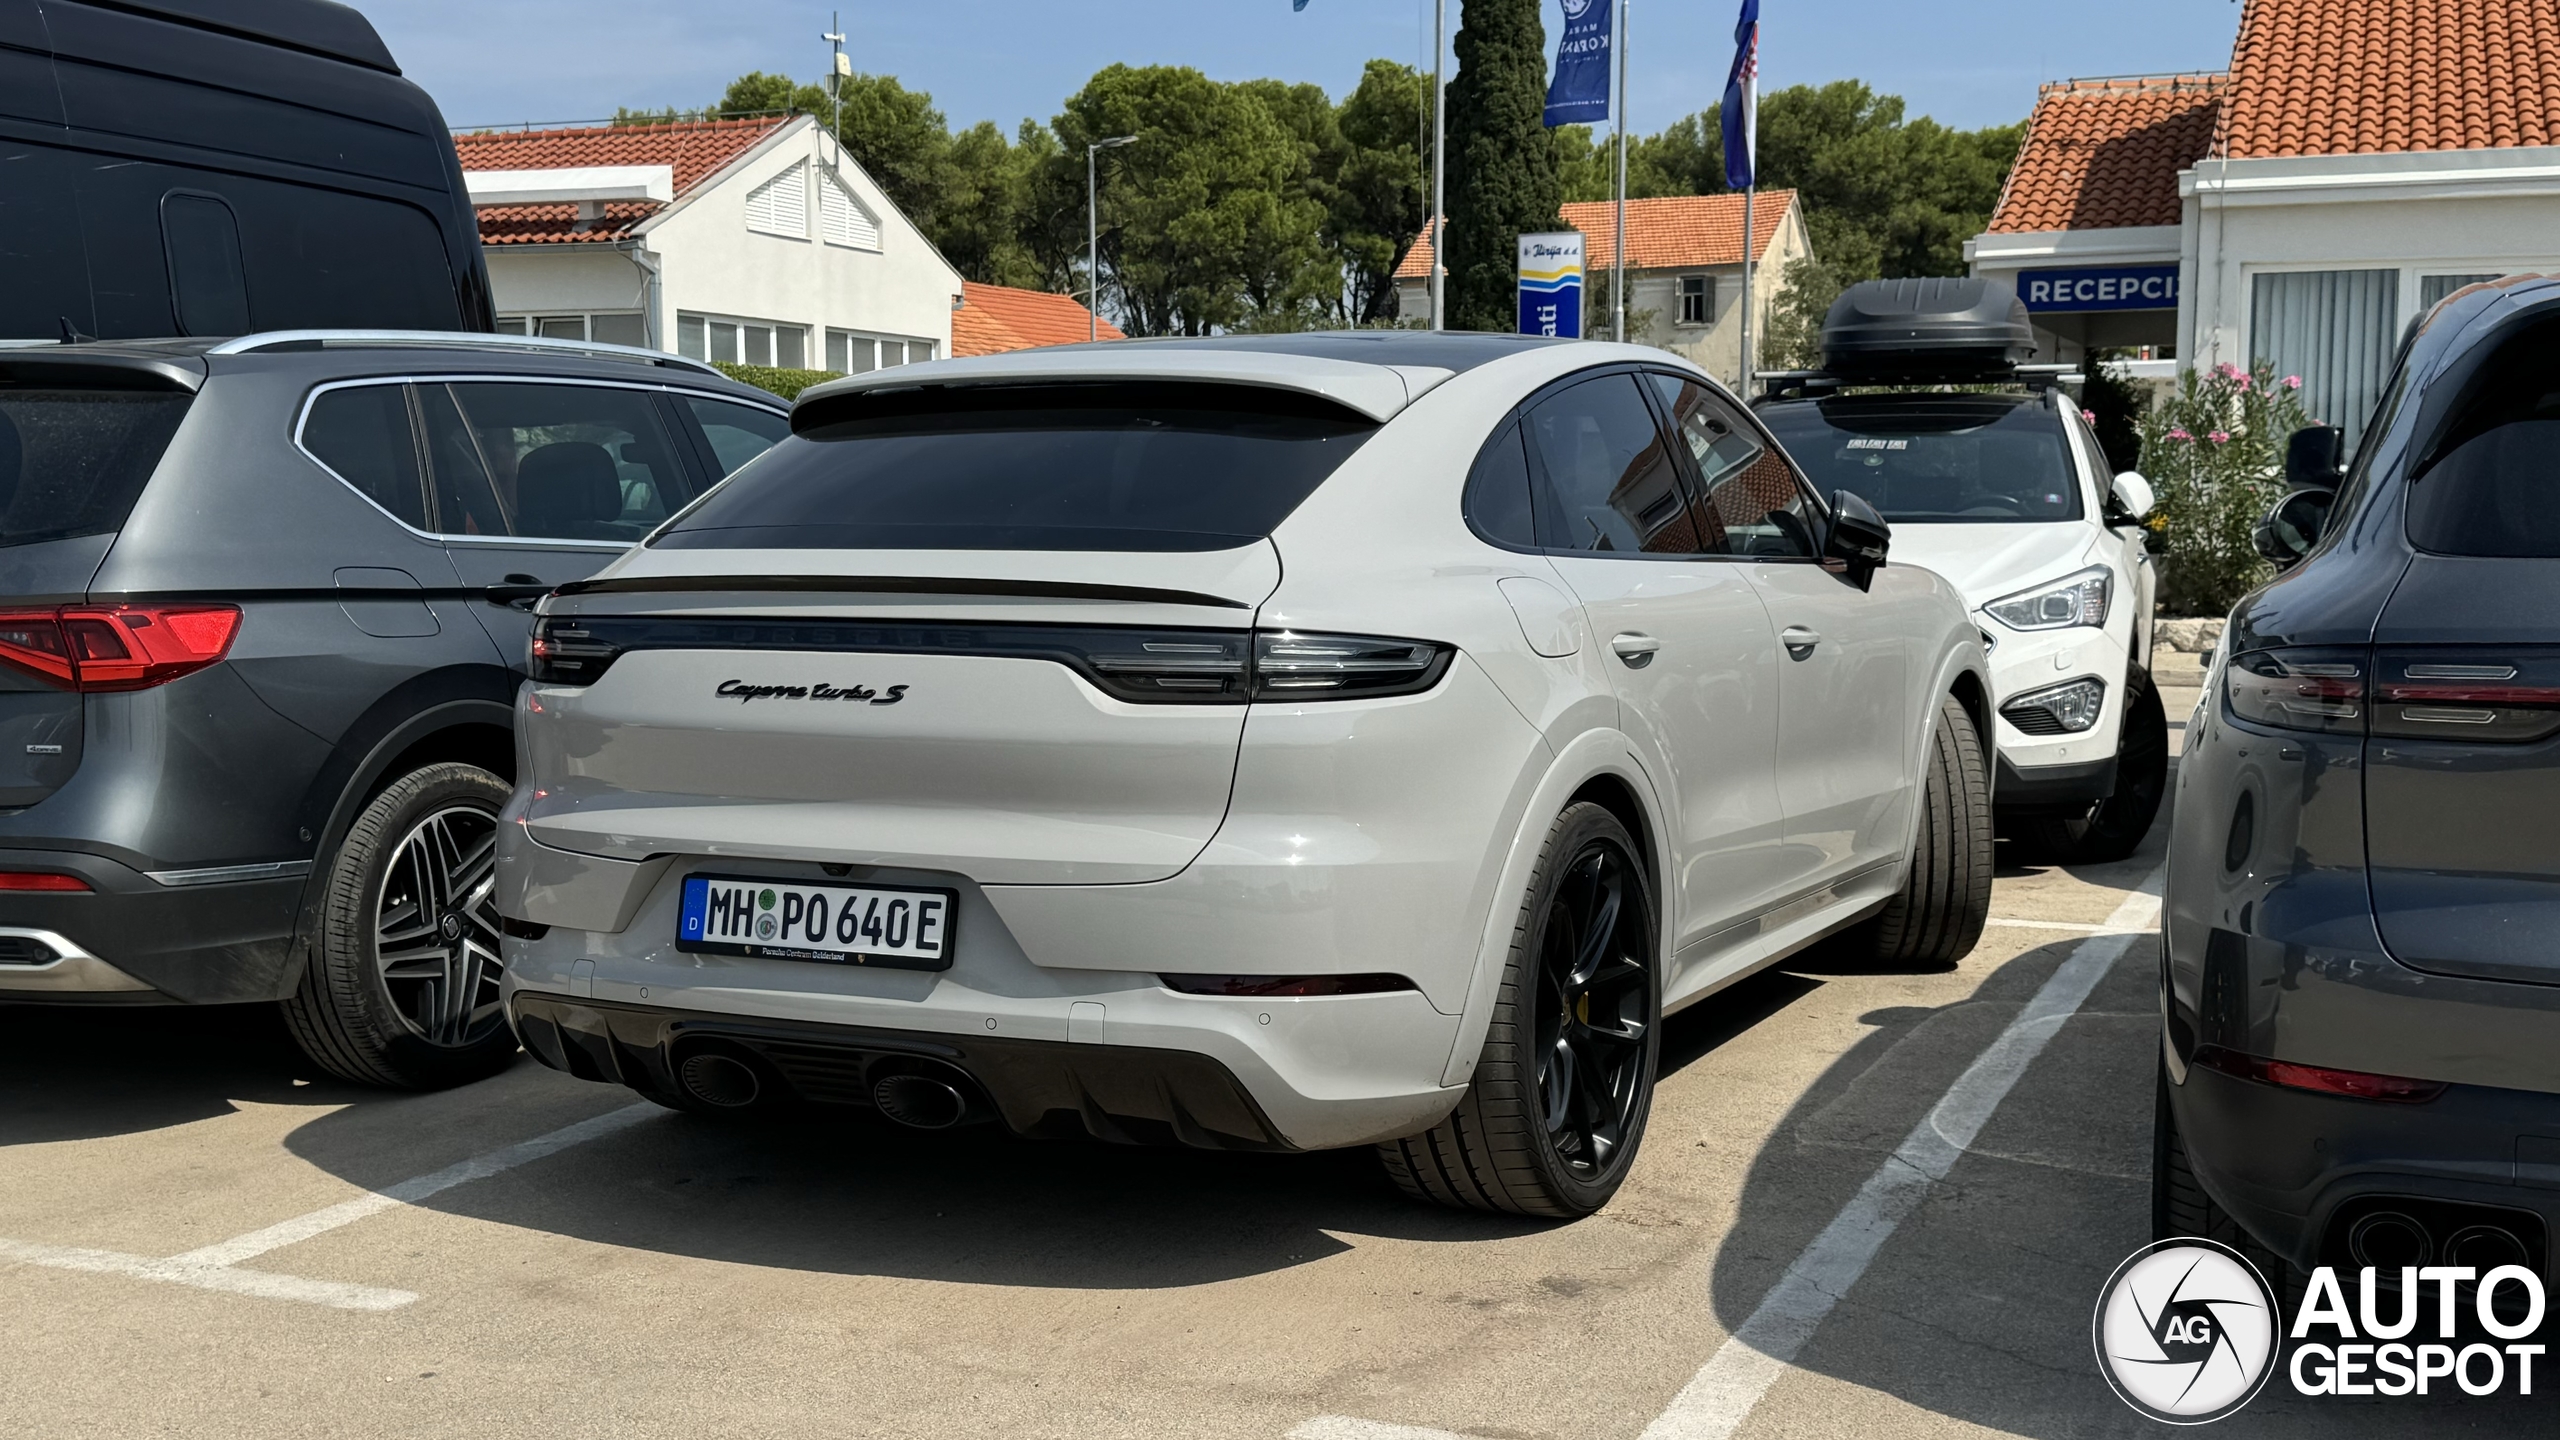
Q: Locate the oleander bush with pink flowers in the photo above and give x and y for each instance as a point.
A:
(2214, 454)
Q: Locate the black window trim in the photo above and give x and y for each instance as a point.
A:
(417, 438)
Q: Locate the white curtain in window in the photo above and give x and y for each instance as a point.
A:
(780, 206)
(841, 218)
(2433, 288)
(2334, 328)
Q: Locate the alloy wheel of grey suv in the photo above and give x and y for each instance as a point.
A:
(403, 982)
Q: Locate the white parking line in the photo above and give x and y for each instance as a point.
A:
(2007, 923)
(1343, 1427)
(1721, 1395)
(216, 1267)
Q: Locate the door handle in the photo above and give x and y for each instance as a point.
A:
(1635, 648)
(518, 592)
(1799, 642)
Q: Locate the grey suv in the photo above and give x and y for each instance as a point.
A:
(263, 610)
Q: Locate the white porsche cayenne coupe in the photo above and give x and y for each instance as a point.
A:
(1263, 743)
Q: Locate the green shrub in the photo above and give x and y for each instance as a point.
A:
(2215, 456)
(786, 383)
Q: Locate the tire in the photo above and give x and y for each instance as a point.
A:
(1525, 1139)
(2114, 828)
(2180, 1208)
(399, 1023)
(1946, 894)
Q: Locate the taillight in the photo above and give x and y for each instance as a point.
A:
(2355, 1084)
(1147, 667)
(2466, 697)
(94, 648)
(2306, 689)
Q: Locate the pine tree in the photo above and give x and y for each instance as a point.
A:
(1502, 172)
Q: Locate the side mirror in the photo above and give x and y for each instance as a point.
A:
(2293, 525)
(2315, 457)
(1856, 542)
(2134, 494)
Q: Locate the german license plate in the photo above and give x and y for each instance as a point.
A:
(894, 926)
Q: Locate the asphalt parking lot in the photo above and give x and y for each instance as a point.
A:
(1902, 1190)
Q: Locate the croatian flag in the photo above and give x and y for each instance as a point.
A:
(1742, 99)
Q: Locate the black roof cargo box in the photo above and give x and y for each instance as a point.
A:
(1919, 331)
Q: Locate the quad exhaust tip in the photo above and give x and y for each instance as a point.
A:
(2389, 1240)
(717, 1079)
(922, 1102)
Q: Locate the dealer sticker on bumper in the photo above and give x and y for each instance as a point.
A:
(832, 924)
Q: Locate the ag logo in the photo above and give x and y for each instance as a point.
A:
(2185, 1331)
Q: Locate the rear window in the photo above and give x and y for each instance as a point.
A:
(1935, 460)
(1045, 467)
(72, 462)
(2493, 487)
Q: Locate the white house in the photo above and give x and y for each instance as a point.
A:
(743, 240)
(2355, 166)
(1684, 270)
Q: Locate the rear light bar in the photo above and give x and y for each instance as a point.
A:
(1146, 667)
(2354, 1084)
(2399, 694)
(97, 648)
(41, 880)
(1285, 986)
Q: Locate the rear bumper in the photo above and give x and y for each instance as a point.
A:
(132, 937)
(2291, 1165)
(1120, 1093)
(1323, 1071)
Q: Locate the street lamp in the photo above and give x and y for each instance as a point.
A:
(1093, 235)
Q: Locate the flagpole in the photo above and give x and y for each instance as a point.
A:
(1439, 164)
(1747, 248)
(1618, 250)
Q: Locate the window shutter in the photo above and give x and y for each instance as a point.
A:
(841, 218)
(780, 206)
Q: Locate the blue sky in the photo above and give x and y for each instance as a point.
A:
(1968, 62)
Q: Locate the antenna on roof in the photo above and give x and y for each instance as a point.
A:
(839, 70)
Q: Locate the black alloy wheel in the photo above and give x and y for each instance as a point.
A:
(1554, 1114)
(1594, 1011)
(2114, 827)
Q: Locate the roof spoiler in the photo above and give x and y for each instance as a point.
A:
(1377, 392)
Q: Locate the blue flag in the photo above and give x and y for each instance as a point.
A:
(1579, 94)
(1742, 99)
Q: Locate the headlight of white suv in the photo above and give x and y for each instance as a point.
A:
(2078, 600)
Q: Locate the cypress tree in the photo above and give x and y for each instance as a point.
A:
(1502, 172)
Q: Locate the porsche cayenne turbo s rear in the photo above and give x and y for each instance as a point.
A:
(1235, 744)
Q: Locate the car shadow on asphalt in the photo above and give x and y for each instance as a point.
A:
(78, 1072)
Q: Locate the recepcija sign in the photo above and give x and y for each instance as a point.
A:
(2102, 287)
(1551, 284)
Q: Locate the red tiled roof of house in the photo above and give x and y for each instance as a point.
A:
(2360, 77)
(2106, 153)
(1662, 234)
(696, 149)
(995, 318)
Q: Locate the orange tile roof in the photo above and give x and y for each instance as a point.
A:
(2106, 153)
(697, 149)
(2359, 77)
(995, 318)
(1662, 234)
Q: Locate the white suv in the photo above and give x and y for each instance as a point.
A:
(2009, 496)
(1265, 743)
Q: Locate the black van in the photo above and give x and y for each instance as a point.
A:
(218, 167)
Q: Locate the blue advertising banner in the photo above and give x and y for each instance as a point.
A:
(2100, 287)
(1579, 95)
(1551, 283)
